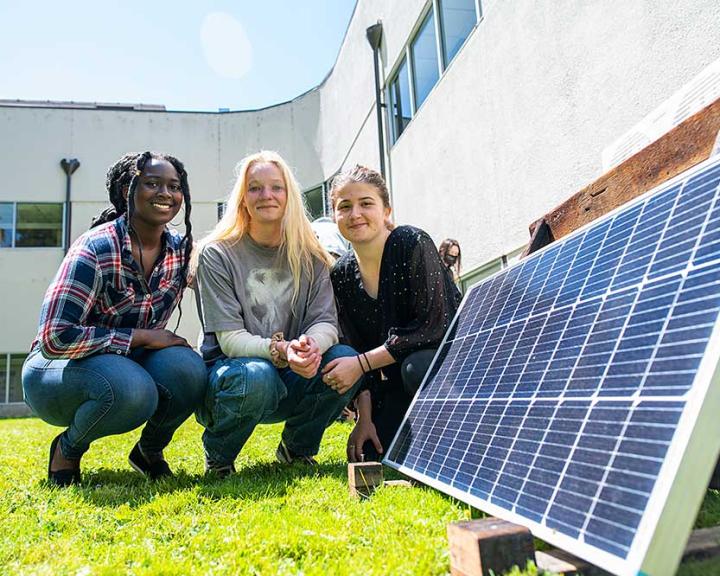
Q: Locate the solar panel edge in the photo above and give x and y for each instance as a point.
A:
(691, 457)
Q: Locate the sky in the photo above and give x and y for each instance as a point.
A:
(185, 55)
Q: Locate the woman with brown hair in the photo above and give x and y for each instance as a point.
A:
(450, 254)
(395, 302)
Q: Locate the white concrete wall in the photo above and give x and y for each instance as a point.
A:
(34, 140)
(519, 120)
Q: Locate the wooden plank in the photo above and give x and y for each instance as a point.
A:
(490, 545)
(565, 564)
(703, 543)
(684, 146)
(364, 478)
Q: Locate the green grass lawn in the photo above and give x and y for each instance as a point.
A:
(267, 519)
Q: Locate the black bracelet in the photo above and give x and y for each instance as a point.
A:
(360, 362)
(369, 367)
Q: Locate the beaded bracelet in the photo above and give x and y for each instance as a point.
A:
(275, 357)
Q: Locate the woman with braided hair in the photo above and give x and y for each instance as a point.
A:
(102, 362)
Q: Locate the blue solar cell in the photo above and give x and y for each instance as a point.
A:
(557, 392)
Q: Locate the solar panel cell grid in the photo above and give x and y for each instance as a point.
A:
(557, 391)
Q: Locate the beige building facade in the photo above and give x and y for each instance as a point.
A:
(492, 113)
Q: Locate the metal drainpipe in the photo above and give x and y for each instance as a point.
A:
(69, 165)
(374, 36)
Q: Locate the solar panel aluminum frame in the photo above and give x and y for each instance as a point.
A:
(682, 480)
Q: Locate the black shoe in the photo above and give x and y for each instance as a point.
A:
(153, 466)
(219, 470)
(61, 478)
(285, 456)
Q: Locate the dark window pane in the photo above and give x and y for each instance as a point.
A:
(425, 63)
(38, 225)
(314, 202)
(6, 224)
(16, 391)
(221, 207)
(457, 20)
(3, 378)
(400, 101)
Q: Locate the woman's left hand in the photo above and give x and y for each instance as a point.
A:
(342, 373)
(303, 356)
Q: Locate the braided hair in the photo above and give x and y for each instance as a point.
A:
(124, 174)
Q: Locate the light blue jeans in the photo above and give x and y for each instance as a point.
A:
(245, 392)
(107, 394)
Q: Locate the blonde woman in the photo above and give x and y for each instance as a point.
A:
(269, 320)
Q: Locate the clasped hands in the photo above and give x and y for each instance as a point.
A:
(303, 356)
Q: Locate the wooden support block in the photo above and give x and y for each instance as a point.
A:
(400, 483)
(703, 543)
(364, 478)
(479, 546)
(563, 563)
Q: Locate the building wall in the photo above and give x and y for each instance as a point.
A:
(515, 125)
(519, 120)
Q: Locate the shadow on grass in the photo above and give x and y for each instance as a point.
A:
(112, 488)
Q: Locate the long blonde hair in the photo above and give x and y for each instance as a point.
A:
(298, 241)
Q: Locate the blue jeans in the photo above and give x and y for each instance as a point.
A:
(245, 392)
(107, 394)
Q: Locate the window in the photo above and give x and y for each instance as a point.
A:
(457, 19)
(425, 59)
(7, 213)
(11, 377)
(24, 224)
(221, 207)
(429, 55)
(315, 201)
(400, 101)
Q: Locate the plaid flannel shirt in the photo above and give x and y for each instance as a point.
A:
(99, 294)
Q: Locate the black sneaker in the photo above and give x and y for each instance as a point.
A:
(219, 470)
(285, 456)
(153, 466)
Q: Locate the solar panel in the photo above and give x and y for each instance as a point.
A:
(577, 392)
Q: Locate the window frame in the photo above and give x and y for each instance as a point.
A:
(392, 94)
(325, 188)
(442, 42)
(13, 230)
(430, 11)
(5, 395)
(405, 55)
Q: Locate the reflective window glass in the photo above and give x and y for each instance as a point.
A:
(38, 225)
(15, 392)
(3, 378)
(6, 224)
(425, 62)
(399, 99)
(315, 202)
(457, 19)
